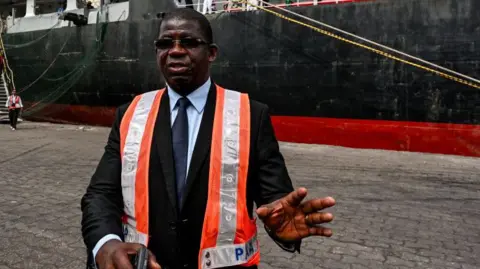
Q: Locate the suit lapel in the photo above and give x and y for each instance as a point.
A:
(203, 142)
(165, 149)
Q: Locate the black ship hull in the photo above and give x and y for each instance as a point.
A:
(319, 89)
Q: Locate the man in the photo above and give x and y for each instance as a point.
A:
(14, 105)
(183, 167)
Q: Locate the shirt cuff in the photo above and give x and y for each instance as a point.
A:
(102, 242)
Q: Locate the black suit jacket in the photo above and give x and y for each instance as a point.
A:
(176, 232)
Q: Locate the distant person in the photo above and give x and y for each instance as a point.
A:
(207, 6)
(87, 7)
(14, 104)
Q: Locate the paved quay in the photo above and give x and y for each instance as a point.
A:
(394, 209)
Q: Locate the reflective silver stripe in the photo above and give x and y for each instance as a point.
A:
(229, 169)
(226, 253)
(130, 160)
(229, 255)
(133, 236)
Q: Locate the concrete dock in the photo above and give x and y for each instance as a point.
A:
(394, 209)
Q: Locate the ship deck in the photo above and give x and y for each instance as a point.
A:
(394, 209)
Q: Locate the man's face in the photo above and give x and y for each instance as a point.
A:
(14, 92)
(184, 66)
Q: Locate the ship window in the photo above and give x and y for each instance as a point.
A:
(49, 7)
(20, 9)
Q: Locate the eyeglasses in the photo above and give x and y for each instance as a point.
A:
(187, 43)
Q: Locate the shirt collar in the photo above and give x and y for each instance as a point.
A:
(198, 98)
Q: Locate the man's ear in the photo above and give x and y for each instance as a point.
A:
(213, 49)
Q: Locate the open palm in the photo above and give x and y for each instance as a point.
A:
(292, 220)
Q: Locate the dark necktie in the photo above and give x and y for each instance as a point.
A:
(180, 146)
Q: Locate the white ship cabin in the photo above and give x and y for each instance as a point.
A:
(33, 15)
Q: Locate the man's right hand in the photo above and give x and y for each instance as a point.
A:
(114, 255)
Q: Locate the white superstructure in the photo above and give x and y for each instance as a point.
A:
(35, 22)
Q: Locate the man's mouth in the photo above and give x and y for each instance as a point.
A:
(177, 68)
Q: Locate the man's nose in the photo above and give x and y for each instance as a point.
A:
(177, 49)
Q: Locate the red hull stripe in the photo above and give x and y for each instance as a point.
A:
(457, 139)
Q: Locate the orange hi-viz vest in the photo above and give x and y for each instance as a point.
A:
(229, 235)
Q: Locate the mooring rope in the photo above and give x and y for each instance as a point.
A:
(474, 84)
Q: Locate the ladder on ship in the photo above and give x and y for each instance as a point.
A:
(6, 81)
(3, 98)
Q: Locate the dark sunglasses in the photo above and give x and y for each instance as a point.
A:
(187, 43)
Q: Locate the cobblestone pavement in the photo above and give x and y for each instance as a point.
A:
(394, 209)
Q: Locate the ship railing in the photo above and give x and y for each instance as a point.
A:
(236, 6)
(7, 71)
